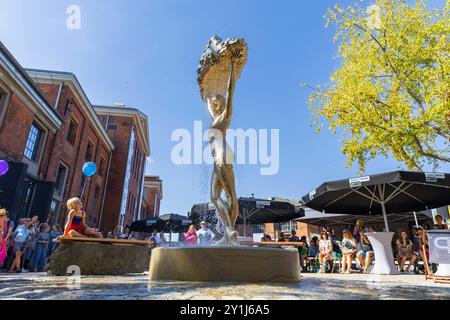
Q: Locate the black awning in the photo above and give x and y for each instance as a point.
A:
(147, 225)
(251, 211)
(175, 222)
(400, 191)
(329, 219)
(391, 192)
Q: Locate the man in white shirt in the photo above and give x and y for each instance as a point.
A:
(205, 235)
(157, 237)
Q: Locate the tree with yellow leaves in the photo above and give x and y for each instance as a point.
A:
(391, 93)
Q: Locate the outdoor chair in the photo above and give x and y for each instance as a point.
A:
(337, 260)
(313, 264)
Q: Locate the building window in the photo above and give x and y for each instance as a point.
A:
(97, 192)
(89, 152)
(101, 167)
(259, 228)
(288, 226)
(27, 196)
(33, 141)
(3, 105)
(61, 179)
(82, 183)
(72, 133)
(54, 210)
(112, 127)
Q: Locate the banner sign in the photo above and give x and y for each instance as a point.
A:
(439, 241)
(356, 182)
(262, 204)
(433, 176)
(185, 222)
(150, 222)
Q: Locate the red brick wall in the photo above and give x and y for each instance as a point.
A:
(121, 140)
(121, 136)
(149, 196)
(15, 128)
(303, 229)
(73, 156)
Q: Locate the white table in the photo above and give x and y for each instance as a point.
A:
(443, 270)
(384, 257)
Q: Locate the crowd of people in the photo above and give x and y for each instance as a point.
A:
(354, 250)
(203, 236)
(25, 247)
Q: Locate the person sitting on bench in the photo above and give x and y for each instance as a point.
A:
(76, 223)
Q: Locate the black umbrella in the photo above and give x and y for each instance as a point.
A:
(319, 218)
(252, 211)
(175, 222)
(147, 225)
(392, 192)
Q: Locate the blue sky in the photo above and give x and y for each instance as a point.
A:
(145, 54)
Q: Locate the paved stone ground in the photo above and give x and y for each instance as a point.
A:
(312, 286)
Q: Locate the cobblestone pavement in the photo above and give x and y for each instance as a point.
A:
(312, 286)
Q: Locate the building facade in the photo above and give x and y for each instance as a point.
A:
(49, 130)
(80, 139)
(151, 197)
(28, 125)
(128, 129)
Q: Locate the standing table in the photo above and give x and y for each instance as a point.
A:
(384, 257)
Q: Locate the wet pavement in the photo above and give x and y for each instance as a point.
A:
(312, 286)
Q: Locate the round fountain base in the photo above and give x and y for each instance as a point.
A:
(220, 263)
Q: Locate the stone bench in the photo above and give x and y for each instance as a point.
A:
(98, 257)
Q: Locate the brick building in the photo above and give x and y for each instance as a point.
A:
(49, 129)
(80, 139)
(128, 129)
(302, 229)
(28, 124)
(151, 197)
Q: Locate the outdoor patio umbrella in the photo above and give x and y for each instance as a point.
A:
(398, 191)
(319, 218)
(175, 223)
(251, 211)
(147, 225)
(391, 192)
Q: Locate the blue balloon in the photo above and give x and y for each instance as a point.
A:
(89, 169)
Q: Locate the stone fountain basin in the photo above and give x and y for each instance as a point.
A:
(222, 263)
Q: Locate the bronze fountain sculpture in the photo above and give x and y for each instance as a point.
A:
(220, 67)
(222, 59)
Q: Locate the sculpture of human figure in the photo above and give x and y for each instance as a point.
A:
(222, 180)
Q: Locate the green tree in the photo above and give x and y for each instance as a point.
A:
(391, 93)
